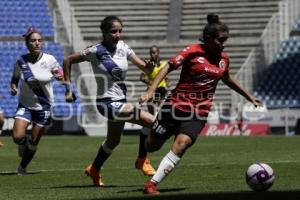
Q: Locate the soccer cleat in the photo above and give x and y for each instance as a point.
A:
(150, 188)
(21, 171)
(145, 166)
(95, 176)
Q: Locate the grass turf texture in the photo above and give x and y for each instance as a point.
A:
(214, 168)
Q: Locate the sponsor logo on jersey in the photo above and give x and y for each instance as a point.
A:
(120, 53)
(211, 70)
(222, 64)
(117, 105)
(201, 60)
(44, 65)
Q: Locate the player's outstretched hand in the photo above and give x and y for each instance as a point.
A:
(145, 97)
(256, 102)
(58, 74)
(14, 91)
(149, 63)
(69, 97)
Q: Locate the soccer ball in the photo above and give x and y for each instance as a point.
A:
(260, 176)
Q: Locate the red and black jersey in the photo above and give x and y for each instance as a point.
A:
(198, 79)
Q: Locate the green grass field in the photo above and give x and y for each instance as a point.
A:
(213, 168)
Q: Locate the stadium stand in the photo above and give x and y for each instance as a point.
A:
(16, 17)
(142, 19)
(279, 86)
(145, 23)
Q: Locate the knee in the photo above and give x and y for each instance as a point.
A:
(180, 146)
(17, 138)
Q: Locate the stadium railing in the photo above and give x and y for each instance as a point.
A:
(277, 30)
(91, 120)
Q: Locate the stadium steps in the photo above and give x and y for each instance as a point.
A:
(142, 20)
(145, 23)
(244, 18)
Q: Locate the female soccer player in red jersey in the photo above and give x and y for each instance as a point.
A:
(184, 113)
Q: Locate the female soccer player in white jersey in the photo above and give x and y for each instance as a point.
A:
(109, 63)
(35, 71)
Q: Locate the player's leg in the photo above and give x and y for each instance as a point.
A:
(142, 153)
(40, 119)
(22, 119)
(135, 115)
(114, 132)
(189, 131)
(168, 163)
(31, 148)
(1, 120)
(163, 128)
(19, 134)
(1, 124)
(145, 119)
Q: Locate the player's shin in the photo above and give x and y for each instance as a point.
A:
(166, 165)
(103, 154)
(29, 153)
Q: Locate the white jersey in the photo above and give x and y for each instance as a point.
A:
(109, 69)
(36, 91)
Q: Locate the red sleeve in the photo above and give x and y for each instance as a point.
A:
(178, 60)
(227, 65)
(224, 63)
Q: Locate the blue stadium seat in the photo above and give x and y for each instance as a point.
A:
(9, 103)
(23, 14)
(280, 84)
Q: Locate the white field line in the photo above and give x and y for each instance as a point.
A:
(118, 167)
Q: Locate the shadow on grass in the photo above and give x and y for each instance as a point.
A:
(271, 195)
(162, 190)
(87, 186)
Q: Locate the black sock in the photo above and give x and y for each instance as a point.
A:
(1, 125)
(24, 141)
(142, 148)
(100, 158)
(28, 156)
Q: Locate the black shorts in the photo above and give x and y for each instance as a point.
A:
(171, 121)
(160, 94)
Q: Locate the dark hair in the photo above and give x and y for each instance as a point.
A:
(154, 46)
(107, 22)
(29, 32)
(213, 27)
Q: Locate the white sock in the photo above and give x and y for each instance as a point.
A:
(166, 165)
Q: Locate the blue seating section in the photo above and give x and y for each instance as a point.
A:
(9, 52)
(17, 15)
(280, 85)
(15, 18)
(297, 25)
